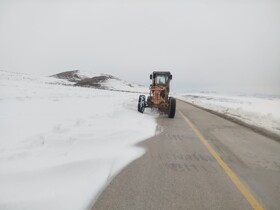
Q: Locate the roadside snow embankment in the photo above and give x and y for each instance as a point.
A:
(263, 112)
(60, 145)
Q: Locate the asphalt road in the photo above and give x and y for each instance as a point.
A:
(198, 161)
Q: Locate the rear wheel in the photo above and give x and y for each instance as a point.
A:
(172, 107)
(141, 103)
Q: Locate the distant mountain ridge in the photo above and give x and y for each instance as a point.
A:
(99, 81)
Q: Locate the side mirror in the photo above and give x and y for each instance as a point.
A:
(170, 76)
(151, 76)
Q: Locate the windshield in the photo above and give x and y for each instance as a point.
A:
(161, 79)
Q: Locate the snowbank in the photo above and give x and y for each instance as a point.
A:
(255, 110)
(59, 145)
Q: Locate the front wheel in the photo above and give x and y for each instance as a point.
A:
(172, 107)
(141, 103)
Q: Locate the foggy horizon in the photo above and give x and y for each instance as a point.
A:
(217, 45)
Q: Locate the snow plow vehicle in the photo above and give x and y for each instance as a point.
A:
(159, 95)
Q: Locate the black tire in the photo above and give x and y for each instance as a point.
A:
(141, 103)
(172, 107)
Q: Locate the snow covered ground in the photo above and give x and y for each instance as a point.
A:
(60, 145)
(261, 111)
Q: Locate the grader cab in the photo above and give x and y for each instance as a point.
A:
(159, 95)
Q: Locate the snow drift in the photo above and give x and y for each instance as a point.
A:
(61, 144)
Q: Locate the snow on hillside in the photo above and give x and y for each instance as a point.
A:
(60, 145)
(100, 81)
(76, 75)
(117, 84)
(255, 110)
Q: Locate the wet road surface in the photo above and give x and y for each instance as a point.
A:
(198, 161)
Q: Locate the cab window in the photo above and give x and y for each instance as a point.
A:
(160, 79)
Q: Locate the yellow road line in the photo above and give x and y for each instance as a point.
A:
(234, 178)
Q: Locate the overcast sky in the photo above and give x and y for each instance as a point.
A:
(206, 44)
